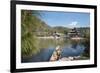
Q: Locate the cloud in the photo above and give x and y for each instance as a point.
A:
(73, 24)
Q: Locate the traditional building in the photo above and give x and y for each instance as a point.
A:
(74, 33)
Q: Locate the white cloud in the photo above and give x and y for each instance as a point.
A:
(73, 24)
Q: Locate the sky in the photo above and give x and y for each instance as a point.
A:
(66, 19)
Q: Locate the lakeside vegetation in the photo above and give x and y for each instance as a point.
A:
(28, 21)
(32, 27)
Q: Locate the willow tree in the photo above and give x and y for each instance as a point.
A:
(29, 23)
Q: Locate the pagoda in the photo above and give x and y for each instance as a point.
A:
(74, 33)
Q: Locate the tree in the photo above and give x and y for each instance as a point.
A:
(28, 25)
(87, 44)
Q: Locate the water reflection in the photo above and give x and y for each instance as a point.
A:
(47, 46)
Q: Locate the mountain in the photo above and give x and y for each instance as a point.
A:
(61, 29)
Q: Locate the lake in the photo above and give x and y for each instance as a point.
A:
(47, 46)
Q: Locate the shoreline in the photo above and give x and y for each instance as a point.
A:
(51, 37)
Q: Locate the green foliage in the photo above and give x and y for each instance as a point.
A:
(28, 25)
(87, 43)
(60, 29)
(29, 44)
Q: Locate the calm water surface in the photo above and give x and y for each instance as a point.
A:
(47, 46)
